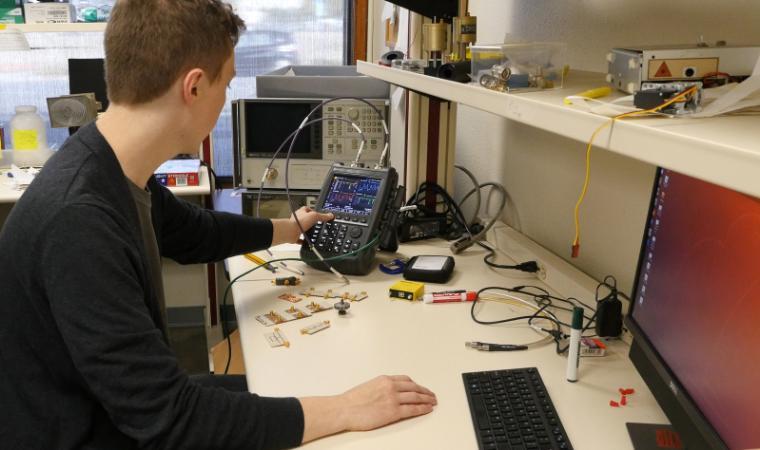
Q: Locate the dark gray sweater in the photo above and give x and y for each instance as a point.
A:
(83, 358)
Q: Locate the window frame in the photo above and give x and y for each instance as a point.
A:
(355, 30)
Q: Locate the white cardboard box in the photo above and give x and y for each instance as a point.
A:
(49, 12)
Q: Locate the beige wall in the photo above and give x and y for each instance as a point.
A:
(543, 172)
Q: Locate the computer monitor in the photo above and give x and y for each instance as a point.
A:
(696, 311)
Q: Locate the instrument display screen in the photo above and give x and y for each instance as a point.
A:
(352, 195)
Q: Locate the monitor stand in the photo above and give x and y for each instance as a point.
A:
(654, 436)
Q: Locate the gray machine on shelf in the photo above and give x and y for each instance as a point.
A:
(629, 67)
(284, 98)
(260, 126)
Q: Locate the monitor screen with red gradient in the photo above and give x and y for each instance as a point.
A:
(698, 299)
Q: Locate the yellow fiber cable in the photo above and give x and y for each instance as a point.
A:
(576, 213)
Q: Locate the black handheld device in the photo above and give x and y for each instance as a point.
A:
(362, 201)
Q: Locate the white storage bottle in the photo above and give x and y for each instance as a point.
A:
(27, 129)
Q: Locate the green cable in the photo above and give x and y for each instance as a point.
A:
(229, 286)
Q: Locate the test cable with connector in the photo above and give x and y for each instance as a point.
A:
(544, 297)
(457, 226)
(293, 208)
(488, 347)
(501, 297)
(685, 95)
(382, 162)
(607, 318)
(293, 137)
(225, 325)
(468, 240)
(475, 190)
(480, 235)
(542, 300)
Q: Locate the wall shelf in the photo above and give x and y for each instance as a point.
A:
(57, 27)
(721, 150)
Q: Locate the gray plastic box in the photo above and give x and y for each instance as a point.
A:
(319, 82)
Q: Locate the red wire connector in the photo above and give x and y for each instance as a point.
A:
(623, 397)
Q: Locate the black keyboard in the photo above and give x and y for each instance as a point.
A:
(511, 410)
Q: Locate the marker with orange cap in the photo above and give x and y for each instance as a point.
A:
(450, 297)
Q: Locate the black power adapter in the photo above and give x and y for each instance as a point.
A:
(417, 228)
(609, 314)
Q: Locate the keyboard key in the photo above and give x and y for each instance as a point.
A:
(481, 414)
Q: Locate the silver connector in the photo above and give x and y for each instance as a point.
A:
(476, 345)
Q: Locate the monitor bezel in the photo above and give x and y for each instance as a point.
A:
(682, 411)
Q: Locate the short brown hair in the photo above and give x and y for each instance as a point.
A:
(150, 43)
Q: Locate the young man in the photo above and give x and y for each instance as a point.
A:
(84, 360)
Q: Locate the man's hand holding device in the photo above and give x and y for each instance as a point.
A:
(287, 231)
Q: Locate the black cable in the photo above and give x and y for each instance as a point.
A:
(456, 223)
(541, 299)
(212, 175)
(544, 300)
(613, 292)
(556, 335)
(612, 287)
(511, 319)
(481, 234)
(475, 190)
(527, 266)
(546, 294)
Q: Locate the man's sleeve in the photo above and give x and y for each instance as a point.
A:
(92, 278)
(191, 234)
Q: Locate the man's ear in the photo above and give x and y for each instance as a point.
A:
(191, 84)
